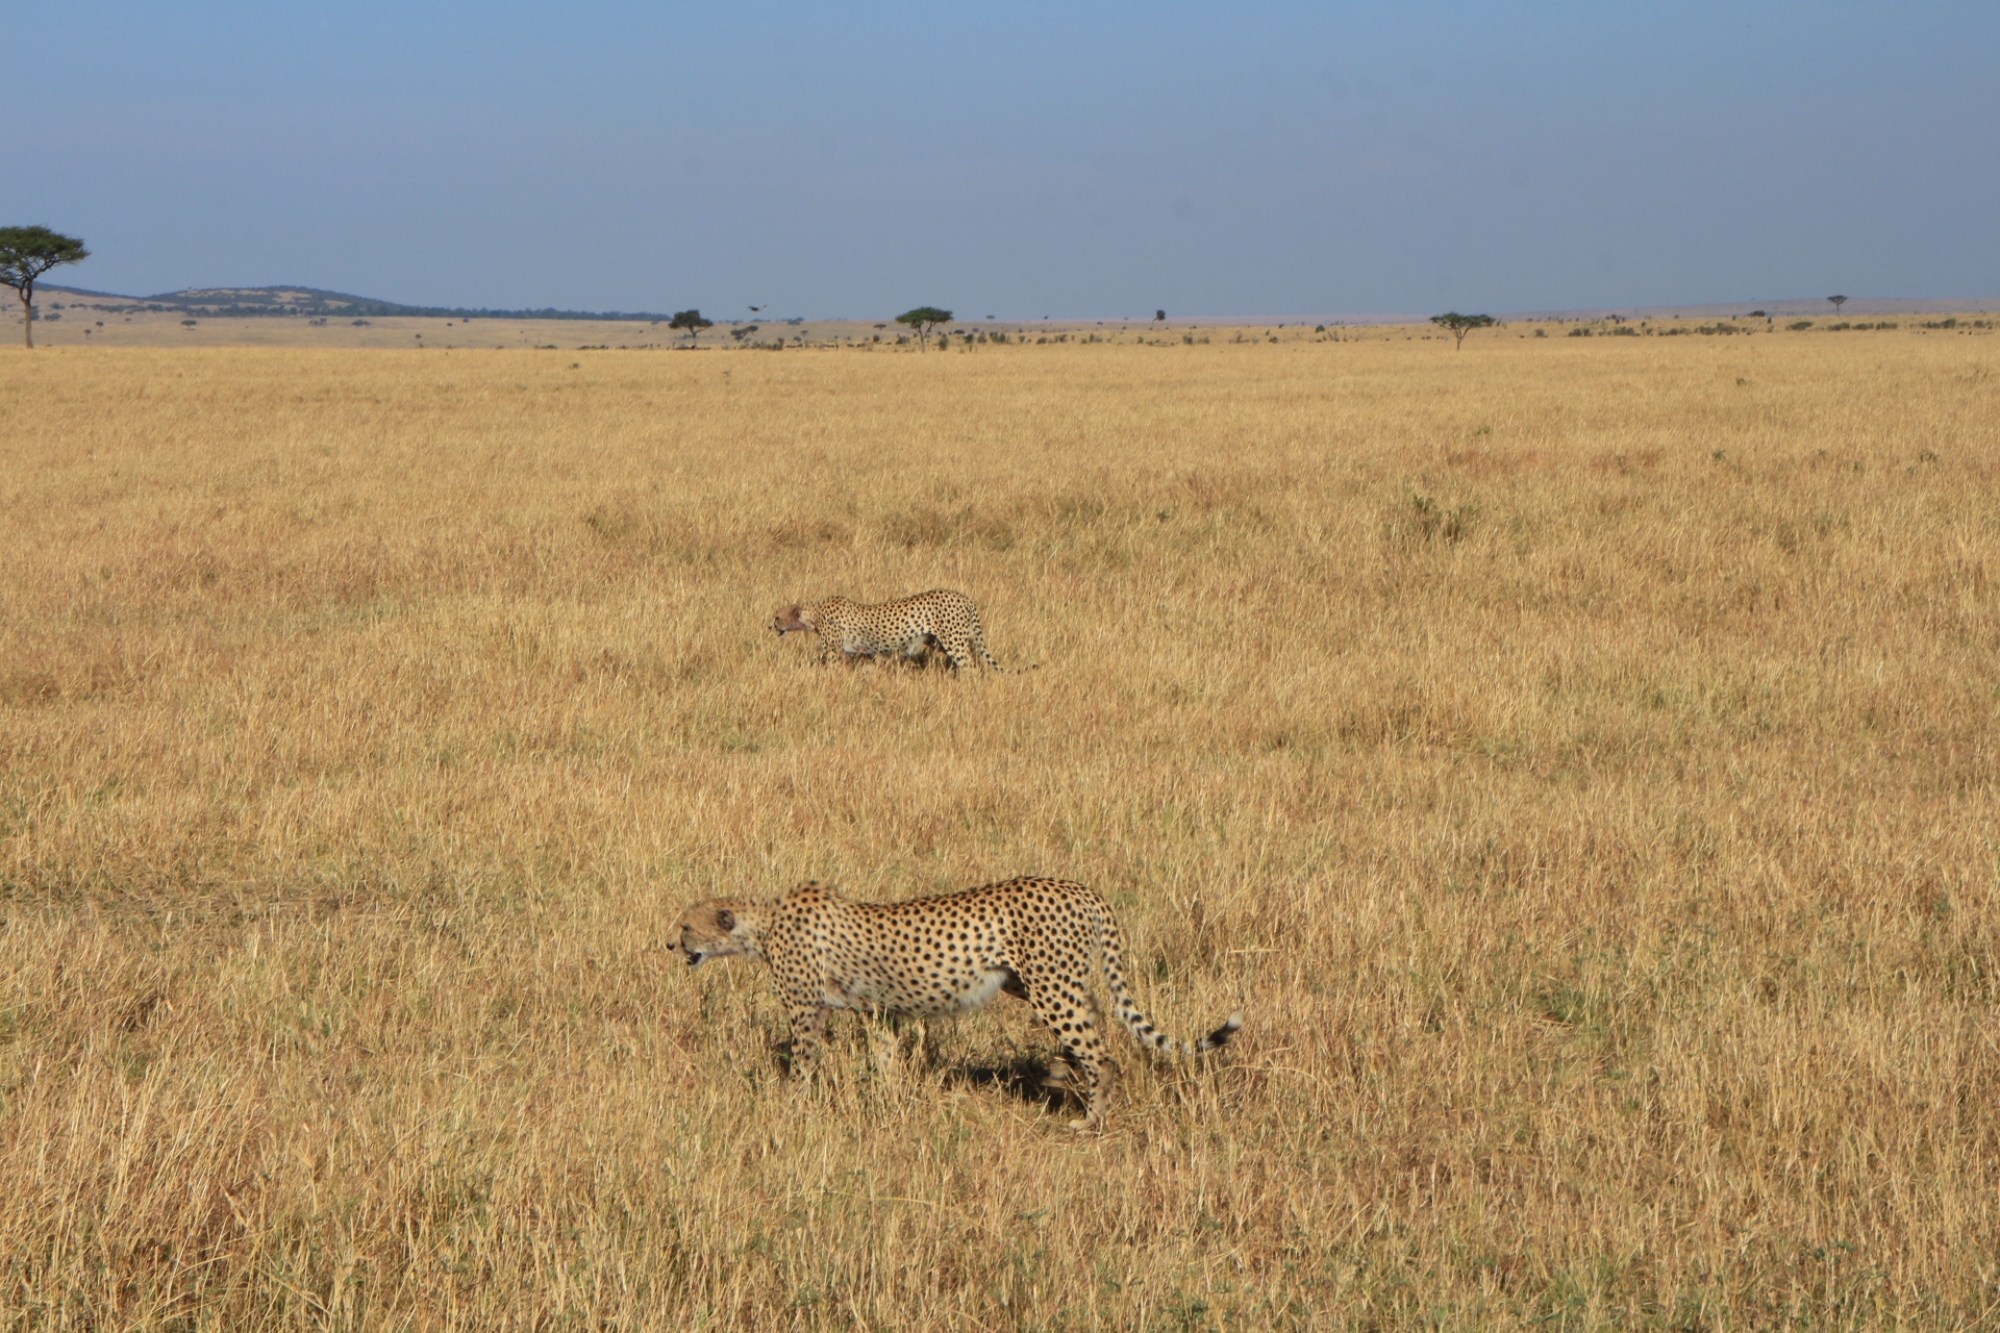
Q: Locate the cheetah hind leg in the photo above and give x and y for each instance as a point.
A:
(959, 654)
(1068, 1077)
(1088, 1074)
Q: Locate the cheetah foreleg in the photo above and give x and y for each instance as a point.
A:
(808, 1017)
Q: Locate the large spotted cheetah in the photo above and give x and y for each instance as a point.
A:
(1039, 939)
(908, 627)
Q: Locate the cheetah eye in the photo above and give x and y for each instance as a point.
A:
(725, 919)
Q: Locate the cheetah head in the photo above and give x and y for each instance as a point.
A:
(716, 929)
(793, 619)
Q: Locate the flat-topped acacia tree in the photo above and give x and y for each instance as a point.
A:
(28, 252)
(1460, 325)
(923, 319)
(692, 321)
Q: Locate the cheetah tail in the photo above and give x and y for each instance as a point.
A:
(1111, 941)
(1220, 1037)
(978, 637)
(990, 661)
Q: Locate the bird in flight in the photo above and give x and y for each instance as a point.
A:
(755, 308)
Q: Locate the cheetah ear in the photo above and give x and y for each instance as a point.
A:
(725, 919)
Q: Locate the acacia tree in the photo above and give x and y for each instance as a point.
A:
(1838, 302)
(690, 320)
(1460, 325)
(28, 252)
(923, 319)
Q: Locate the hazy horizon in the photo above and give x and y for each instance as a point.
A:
(1782, 307)
(1039, 162)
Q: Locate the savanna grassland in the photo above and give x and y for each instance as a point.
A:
(1576, 758)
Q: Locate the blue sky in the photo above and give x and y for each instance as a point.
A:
(1021, 160)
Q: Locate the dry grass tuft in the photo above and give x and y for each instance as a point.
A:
(1576, 758)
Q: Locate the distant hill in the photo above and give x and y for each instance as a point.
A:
(235, 302)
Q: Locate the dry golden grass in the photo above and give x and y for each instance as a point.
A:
(1576, 757)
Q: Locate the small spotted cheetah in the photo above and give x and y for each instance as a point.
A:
(907, 627)
(1038, 939)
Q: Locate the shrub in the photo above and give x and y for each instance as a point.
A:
(1425, 520)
